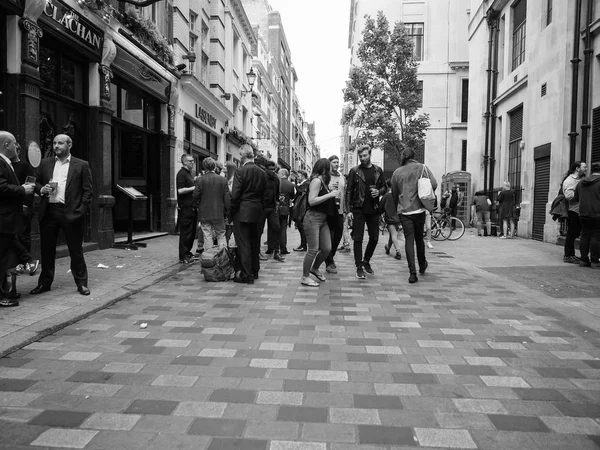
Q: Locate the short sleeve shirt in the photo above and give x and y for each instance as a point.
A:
(185, 180)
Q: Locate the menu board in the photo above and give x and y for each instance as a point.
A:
(132, 158)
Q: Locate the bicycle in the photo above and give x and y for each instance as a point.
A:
(440, 228)
(456, 227)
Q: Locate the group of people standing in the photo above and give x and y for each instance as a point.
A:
(64, 185)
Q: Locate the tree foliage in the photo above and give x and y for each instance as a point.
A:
(382, 92)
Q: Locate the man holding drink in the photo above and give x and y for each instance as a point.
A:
(366, 184)
(65, 185)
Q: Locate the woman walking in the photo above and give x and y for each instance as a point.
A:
(321, 205)
(506, 211)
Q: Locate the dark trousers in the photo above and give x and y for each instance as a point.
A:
(360, 220)
(53, 222)
(273, 229)
(573, 232)
(589, 243)
(283, 226)
(413, 226)
(300, 226)
(188, 221)
(247, 239)
(336, 227)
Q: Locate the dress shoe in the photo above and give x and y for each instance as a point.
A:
(255, 275)
(243, 280)
(269, 252)
(262, 257)
(413, 278)
(277, 257)
(83, 290)
(33, 266)
(284, 252)
(39, 289)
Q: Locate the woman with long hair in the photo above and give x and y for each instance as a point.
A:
(321, 205)
(506, 210)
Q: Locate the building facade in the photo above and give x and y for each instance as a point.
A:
(439, 32)
(534, 106)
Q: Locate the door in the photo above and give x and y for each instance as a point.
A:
(540, 196)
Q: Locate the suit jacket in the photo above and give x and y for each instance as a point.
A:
(287, 192)
(12, 195)
(212, 195)
(248, 193)
(78, 191)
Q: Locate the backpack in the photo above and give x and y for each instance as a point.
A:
(300, 207)
(219, 267)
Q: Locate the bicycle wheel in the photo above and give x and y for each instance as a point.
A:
(458, 229)
(440, 229)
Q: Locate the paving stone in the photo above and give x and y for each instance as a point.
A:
(517, 423)
(472, 421)
(328, 432)
(468, 405)
(174, 380)
(217, 427)
(279, 398)
(572, 425)
(354, 416)
(15, 385)
(302, 414)
(233, 396)
(111, 421)
(291, 445)
(65, 419)
(377, 402)
(397, 389)
(234, 444)
(80, 356)
(327, 375)
(431, 437)
(115, 367)
(200, 409)
(540, 394)
(305, 386)
(497, 381)
(578, 409)
(161, 407)
(272, 430)
(380, 435)
(61, 437)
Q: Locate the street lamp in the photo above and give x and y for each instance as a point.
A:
(251, 80)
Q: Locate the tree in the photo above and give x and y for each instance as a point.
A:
(382, 92)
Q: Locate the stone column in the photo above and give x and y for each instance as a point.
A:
(168, 152)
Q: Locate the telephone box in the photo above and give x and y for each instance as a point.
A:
(465, 196)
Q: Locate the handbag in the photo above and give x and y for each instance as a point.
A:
(425, 190)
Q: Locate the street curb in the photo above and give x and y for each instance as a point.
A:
(106, 300)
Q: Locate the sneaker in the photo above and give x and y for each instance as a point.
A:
(269, 252)
(413, 278)
(199, 251)
(398, 256)
(571, 259)
(300, 249)
(186, 261)
(428, 243)
(360, 273)
(345, 249)
(387, 249)
(262, 257)
(368, 268)
(502, 237)
(20, 269)
(331, 268)
(33, 266)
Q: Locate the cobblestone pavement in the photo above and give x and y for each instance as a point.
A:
(467, 358)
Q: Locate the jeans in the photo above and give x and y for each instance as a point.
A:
(318, 238)
(216, 227)
(589, 243)
(283, 226)
(336, 227)
(273, 229)
(187, 230)
(573, 232)
(413, 226)
(484, 217)
(372, 222)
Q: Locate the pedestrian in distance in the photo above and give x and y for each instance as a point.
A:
(271, 214)
(301, 186)
(483, 208)
(212, 197)
(321, 206)
(187, 213)
(247, 200)
(12, 196)
(389, 208)
(65, 185)
(366, 184)
(587, 194)
(336, 222)
(287, 192)
(506, 210)
(411, 211)
(576, 173)
(230, 169)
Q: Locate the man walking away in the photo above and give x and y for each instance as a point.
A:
(271, 214)
(336, 222)
(301, 186)
(576, 173)
(365, 185)
(287, 192)
(212, 195)
(188, 215)
(411, 210)
(587, 194)
(483, 207)
(247, 199)
(65, 185)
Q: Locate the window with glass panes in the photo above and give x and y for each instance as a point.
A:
(416, 33)
(519, 33)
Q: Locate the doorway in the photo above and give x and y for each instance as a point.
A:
(540, 190)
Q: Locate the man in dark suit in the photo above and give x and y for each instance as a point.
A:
(65, 185)
(287, 191)
(247, 199)
(12, 195)
(212, 195)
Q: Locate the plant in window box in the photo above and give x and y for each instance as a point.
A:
(146, 32)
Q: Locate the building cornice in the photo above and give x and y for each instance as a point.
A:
(459, 65)
(237, 6)
(199, 92)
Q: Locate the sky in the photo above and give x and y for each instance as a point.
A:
(317, 33)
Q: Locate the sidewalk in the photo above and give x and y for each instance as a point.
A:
(128, 272)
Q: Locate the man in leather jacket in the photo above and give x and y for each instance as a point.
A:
(365, 185)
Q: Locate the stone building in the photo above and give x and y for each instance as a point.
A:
(534, 104)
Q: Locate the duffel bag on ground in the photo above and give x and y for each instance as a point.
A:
(221, 268)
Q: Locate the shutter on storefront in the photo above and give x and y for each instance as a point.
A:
(596, 135)
(540, 190)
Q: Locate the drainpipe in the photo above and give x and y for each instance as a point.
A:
(494, 95)
(487, 115)
(575, 84)
(587, 69)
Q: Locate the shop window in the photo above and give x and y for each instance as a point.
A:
(61, 74)
(135, 108)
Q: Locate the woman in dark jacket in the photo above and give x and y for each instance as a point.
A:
(506, 210)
